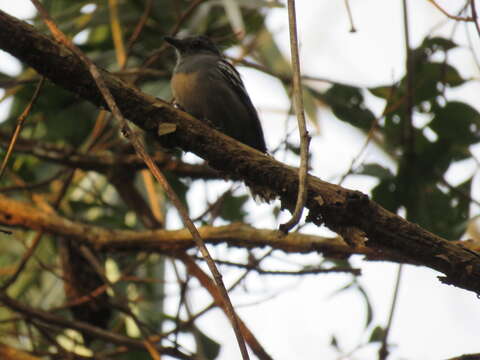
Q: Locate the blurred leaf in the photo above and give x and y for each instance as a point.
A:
(270, 55)
(151, 310)
(63, 116)
(136, 355)
(365, 296)
(334, 342)
(232, 207)
(458, 123)
(210, 348)
(355, 285)
(375, 170)
(347, 286)
(384, 92)
(234, 15)
(311, 107)
(262, 3)
(428, 76)
(377, 335)
(293, 148)
(179, 187)
(385, 194)
(347, 104)
(438, 43)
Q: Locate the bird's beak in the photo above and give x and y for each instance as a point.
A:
(176, 43)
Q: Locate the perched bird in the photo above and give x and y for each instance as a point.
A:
(207, 86)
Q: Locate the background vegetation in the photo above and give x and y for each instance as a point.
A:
(72, 162)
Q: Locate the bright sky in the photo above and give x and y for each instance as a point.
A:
(433, 321)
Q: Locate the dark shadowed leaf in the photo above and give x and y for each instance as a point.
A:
(377, 335)
(232, 208)
(347, 103)
(375, 170)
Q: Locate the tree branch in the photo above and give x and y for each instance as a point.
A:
(105, 161)
(22, 214)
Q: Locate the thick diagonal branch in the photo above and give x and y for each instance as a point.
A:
(340, 209)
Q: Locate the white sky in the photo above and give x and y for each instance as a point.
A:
(433, 321)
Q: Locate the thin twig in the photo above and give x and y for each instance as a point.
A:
(350, 17)
(408, 133)
(408, 137)
(157, 53)
(139, 148)
(20, 121)
(117, 33)
(474, 16)
(305, 271)
(140, 25)
(304, 137)
(453, 17)
(383, 352)
(208, 284)
(49, 318)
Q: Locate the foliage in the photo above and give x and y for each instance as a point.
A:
(423, 152)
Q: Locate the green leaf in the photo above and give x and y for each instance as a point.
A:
(427, 77)
(137, 355)
(179, 187)
(438, 43)
(347, 104)
(449, 212)
(386, 195)
(377, 335)
(232, 207)
(369, 317)
(310, 106)
(293, 148)
(384, 92)
(375, 170)
(345, 287)
(457, 122)
(334, 342)
(270, 55)
(210, 347)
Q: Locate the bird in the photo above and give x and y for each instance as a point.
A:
(208, 87)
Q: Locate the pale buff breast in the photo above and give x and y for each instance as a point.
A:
(186, 88)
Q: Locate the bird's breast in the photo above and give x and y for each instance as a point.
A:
(185, 88)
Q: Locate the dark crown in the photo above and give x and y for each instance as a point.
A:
(193, 45)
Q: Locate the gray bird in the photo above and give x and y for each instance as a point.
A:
(207, 86)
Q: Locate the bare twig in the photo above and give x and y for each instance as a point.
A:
(453, 17)
(157, 53)
(305, 271)
(117, 33)
(104, 161)
(350, 17)
(208, 284)
(83, 327)
(20, 121)
(474, 16)
(304, 137)
(409, 154)
(140, 25)
(383, 351)
(139, 148)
